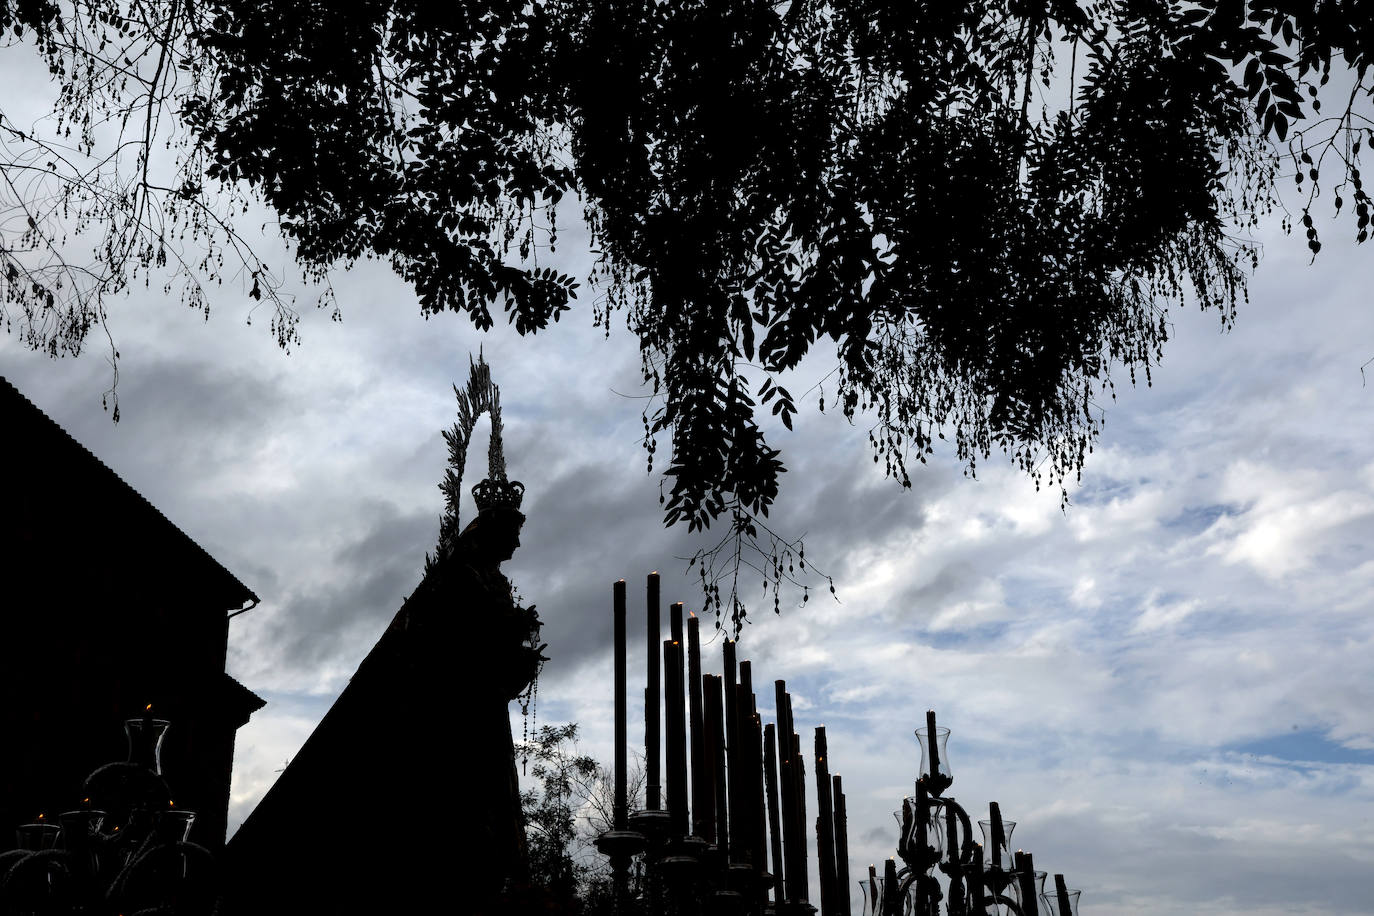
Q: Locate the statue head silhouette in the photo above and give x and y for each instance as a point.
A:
(492, 537)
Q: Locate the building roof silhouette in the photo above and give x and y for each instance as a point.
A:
(34, 432)
(108, 606)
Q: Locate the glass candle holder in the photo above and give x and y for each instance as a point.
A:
(997, 856)
(871, 893)
(1003, 893)
(941, 753)
(174, 825)
(1052, 904)
(38, 836)
(145, 741)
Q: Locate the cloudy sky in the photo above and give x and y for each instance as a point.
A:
(1167, 686)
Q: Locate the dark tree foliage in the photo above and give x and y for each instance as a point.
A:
(986, 207)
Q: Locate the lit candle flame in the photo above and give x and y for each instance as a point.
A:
(148, 707)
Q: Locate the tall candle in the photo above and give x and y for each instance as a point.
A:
(976, 882)
(825, 826)
(675, 623)
(1061, 893)
(951, 833)
(732, 743)
(700, 778)
(841, 848)
(922, 818)
(892, 893)
(799, 775)
(705, 806)
(999, 839)
(675, 740)
(652, 787)
(787, 802)
(930, 740)
(715, 731)
(1025, 867)
(741, 811)
(757, 792)
(770, 775)
(621, 738)
(730, 681)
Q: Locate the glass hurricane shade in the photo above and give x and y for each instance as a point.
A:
(36, 837)
(997, 857)
(174, 825)
(871, 893)
(145, 741)
(935, 828)
(1050, 904)
(1014, 890)
(941, 747)
(1003, 893)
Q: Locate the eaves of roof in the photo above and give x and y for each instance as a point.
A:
(23, 418)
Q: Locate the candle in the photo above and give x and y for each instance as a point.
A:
(710, 773)
(892, 896)
(732, 742)
(930, 740)
(621, 739)
(799, 783)
(841, 848)
(741, 811)
(1025, 867)
(715, 732)
(999, 839)
(651, 719)
(675, 739)
(873, 888)
(760, 820)
(1061, 893)
(976, 882)
(922, 817)
(731, 737)
(700, 779)
(675, 624)
(770, 775)
(951, 833)
(825, 826)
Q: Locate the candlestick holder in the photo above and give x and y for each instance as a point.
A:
(943, 777)
(127, 852)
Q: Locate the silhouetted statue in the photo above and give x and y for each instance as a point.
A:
(408, 786)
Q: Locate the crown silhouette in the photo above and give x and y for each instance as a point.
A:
(498, 494)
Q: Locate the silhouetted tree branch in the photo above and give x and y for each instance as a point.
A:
(754, 177)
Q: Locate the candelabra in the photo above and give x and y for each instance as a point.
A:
(126, 850)
(935, 832)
